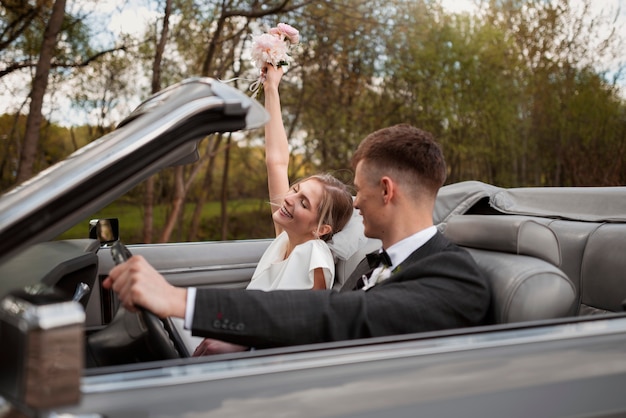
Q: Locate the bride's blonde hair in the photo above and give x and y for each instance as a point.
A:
(335, 208)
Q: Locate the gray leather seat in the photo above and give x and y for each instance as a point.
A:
(603, 270)
(589, 223)
(592, 256)
(519, 257)
(505, 233)
(350, 247)
(525, 288)
(343, 268)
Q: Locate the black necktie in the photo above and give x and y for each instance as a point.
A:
(374, 260)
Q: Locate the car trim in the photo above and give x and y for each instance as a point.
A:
(233, 368)
(183, 270)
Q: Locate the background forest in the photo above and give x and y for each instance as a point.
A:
(519, 93)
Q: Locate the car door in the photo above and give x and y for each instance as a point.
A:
(224, 264)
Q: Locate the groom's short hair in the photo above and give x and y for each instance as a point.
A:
(409, 154)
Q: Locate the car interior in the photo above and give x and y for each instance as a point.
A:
(540, 268)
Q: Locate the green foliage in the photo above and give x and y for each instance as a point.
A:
(248, 218)
(514, 92)
(11, 129)
(22, 27)
(56, 143)
(331, 91)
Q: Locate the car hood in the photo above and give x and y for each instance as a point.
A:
(163, 131)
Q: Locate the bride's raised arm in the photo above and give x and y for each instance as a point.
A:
(276, 145)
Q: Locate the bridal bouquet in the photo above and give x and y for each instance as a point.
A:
(273, 48)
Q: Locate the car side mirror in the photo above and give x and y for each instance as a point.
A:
(106, 230)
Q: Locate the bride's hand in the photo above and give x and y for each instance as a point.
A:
(271, 76)
(210, 346)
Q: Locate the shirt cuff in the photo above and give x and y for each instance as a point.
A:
(191, 306)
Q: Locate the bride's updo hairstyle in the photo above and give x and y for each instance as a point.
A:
(335, 208)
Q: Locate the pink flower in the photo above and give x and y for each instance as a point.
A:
(269, 48)
(286, 31)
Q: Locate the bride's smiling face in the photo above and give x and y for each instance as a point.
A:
(299, 213)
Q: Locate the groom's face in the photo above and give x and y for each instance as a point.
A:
(368, 200)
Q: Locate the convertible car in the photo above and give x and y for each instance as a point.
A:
(556, 259)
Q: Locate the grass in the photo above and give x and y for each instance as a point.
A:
(247, 218)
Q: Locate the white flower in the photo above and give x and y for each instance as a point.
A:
(380, 274)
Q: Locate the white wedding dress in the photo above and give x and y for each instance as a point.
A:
(296, 271)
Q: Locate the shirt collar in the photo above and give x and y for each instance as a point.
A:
(399, 251)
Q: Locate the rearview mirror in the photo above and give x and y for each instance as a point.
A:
(107, 230)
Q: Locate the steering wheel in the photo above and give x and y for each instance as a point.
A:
(135, 337)
(164, 335)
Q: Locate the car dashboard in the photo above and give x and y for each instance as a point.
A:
(61, 267)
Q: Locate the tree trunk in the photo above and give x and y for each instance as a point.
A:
(177, 204)
(160, 48)
(181, 187)
(148, 211)
(224, 199)
(40, 84)
(207, 186)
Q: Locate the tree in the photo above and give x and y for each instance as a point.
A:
(206, 189)
(560, 48)
(148, 217)
(227, 22)
(40, 83)
(39, 36)
(493, 86)
(20, 28)
(514, 92)
(328, 96)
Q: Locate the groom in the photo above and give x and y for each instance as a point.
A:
(424, 283)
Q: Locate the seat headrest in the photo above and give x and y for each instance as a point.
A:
(504, 233)
(602, 276)
(349, 247)
(345, 243)
(525, 288)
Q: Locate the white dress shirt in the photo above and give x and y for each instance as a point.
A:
(399, 251)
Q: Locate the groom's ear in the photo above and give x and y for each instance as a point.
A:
(386, 188)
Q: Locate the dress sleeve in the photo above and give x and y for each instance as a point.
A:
(322, 257)
(297, 271)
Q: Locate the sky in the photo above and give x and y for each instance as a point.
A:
(130, 16)
(468, 5)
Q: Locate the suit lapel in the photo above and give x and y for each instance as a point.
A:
(432, 246)
(361, 269)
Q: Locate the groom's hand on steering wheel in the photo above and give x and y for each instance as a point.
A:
(138, 285)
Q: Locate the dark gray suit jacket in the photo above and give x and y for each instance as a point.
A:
(437, 287)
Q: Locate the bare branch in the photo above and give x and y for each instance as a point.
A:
(29, 64)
